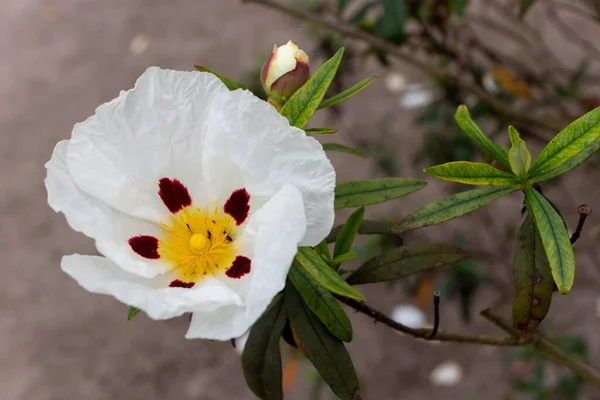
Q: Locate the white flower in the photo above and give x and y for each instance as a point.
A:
(286, 70)
(448, 373)
(416, 96)
(197, 197)
(409, 315)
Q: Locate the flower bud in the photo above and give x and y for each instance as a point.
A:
(286, 70)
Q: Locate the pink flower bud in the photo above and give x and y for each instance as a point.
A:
(286, 70)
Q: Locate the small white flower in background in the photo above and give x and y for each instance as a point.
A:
(139, 44)
(409, 315)
(196, 196)
(286, 70)
(395, 82)
(448, 373)
(416, 96)
(489, 83)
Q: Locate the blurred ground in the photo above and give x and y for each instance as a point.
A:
(59, 60)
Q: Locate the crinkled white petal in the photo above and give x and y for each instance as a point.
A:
(275, 231)
(259, 147)
(110, 228)
(153, 131)
(100, 275)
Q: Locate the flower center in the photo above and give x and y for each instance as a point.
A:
(198, 242)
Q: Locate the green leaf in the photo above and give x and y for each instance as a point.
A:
(343, 258)
(342, 148)
(322, 250)
(303, 104)
(519, 156)
(472, 173)
(324, 275)
(320, 131)
(325, 351)
(132, 312)
(342, 4)
(458, 7)
(348, 233)
(554, 237)
(391, 23)
(404, 261)
(466, 123)
(572, 146)
(524, 5)
(532, 279)
(367, 227)
(363, 193)
(361, 13)
(261, 359)
(346, 94)
(230, 83)
(322, 303)
(451, 207)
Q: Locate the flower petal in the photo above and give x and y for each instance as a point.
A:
(274, 232)
(247, 138)
(153, 131)
(84, 213)
(100, 275)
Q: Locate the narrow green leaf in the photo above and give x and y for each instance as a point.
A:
(519, 156)
(261, 359)
(458, 7)
(367, 227)
(391, 23)
(532, 279)
(322, 250)
(230, 83)
(451, 207)
(363, 193)
(342, 148)
(343, 258)
(472, 173)
(303, 104)
(346, 94)
(524, 5)
(322, 273)
(361, 13)
(348, 233)
(322, 303)
(466, 123)
(325, 351)
(342, 4)
(404, 261)
(572, 146)
(132, 312)
(320, 131)
(554, 237)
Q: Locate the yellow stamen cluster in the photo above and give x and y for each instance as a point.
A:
(198, 242)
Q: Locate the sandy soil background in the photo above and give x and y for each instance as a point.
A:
(58, 61)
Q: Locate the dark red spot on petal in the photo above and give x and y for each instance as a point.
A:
(239, 267)
(181, 284)
(174, 194)
(238, 205)
(145, 246)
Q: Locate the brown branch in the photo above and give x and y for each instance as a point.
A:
(436, 315)
(584, 211)
(546, 348)
(387, 47)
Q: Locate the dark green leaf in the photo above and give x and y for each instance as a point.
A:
(466, 123)
(325, 276)
(348, 233)
(342, 148)
(303, 104)
(367, 227)
(322, 303)
(261, 359)
(132, 312)
(361, 13)
(363, 193)
(342, 4)
(532, 279)
(472, 173)
(346, 94)
(230, 83)
(404, 261)
(451, 207)
(458, 7)
(555, 239)
(524, 5)
(572, 146)
(320, 131)
(391, 23)
(325, 351)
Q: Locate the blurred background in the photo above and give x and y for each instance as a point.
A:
(60, 59)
